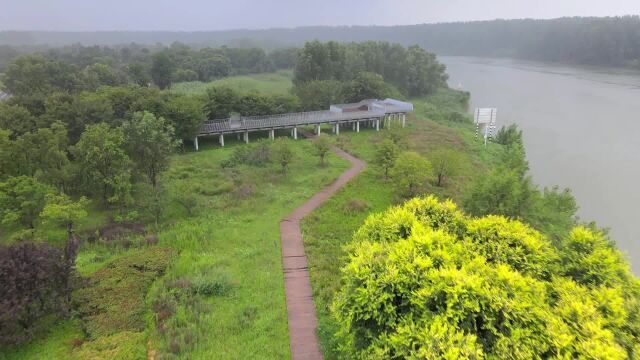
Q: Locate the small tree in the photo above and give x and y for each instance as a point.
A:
(102, 159)
(386, 154)
(509, 135)
(446, 164)
(60, 209)
(22, 199)
(284, 155)
(411, 172)
(322, 145)
(149, 143)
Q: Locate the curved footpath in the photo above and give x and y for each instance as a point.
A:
(301, 310)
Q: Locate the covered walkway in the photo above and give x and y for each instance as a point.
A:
(368, 113)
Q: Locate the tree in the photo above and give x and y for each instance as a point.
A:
(139, 74)
(386, 154)
(424, 74)
(61, 210)
(502, 191)
(509, 135)
(34, 74)
(320, 61)
(17, 119)
(22, 199)
(150, 142)
(446, 164)
(319, 94)
(186, 114)
(96, 75)
(411, 172)
(102, 159)
(162, 70)
(367, 85)
(284, 155)
(425, 280)
(322, 145)
(221, 101)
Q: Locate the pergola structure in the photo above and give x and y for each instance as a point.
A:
(368, 113)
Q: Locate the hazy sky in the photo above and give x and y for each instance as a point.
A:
(80, 15)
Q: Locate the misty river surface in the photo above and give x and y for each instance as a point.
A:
(581, 130)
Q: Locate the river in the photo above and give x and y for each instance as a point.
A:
(581, 130)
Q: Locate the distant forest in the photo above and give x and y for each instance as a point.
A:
(610, 41)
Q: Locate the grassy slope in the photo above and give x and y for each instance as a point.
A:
(329, 228)
(272, 83)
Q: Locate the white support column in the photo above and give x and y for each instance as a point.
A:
(333, 129)
(318, 130)
(222, 140)
(353, 126)
(357, 126)
(246, 137)
(238, 136)
(272, 134)
(195, 143)
(404, 120)
(378, 125)
(337, 129)
(295, 133)
(390, 120)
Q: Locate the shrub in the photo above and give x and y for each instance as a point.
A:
(35, 280)
(322, 145)
(423, 280)
(257, 154)
(410, 172)
(114, 298)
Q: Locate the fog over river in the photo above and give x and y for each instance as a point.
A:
(581, 130)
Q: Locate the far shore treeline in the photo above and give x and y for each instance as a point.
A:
(607, 41)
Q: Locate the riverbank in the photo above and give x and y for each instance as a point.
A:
(580, 131)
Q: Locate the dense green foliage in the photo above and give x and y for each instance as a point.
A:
(414, 71)
(424, 280)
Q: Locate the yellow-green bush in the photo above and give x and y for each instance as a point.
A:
(424, 280)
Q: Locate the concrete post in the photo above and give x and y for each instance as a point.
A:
(295, 133)
(337, 129)
(357, 126)
(195, 143)
(353, 126)
(246, 137)
(404, 120)
(272, 134)
(378, 125)
(222, 140)
(238, 136)
(318, 130)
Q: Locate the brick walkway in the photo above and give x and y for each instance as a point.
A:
(301, 310)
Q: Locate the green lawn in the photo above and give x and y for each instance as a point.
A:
(271, 83)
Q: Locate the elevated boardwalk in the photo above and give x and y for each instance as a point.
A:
(373, 113)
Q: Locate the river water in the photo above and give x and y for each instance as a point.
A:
(581, 130)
